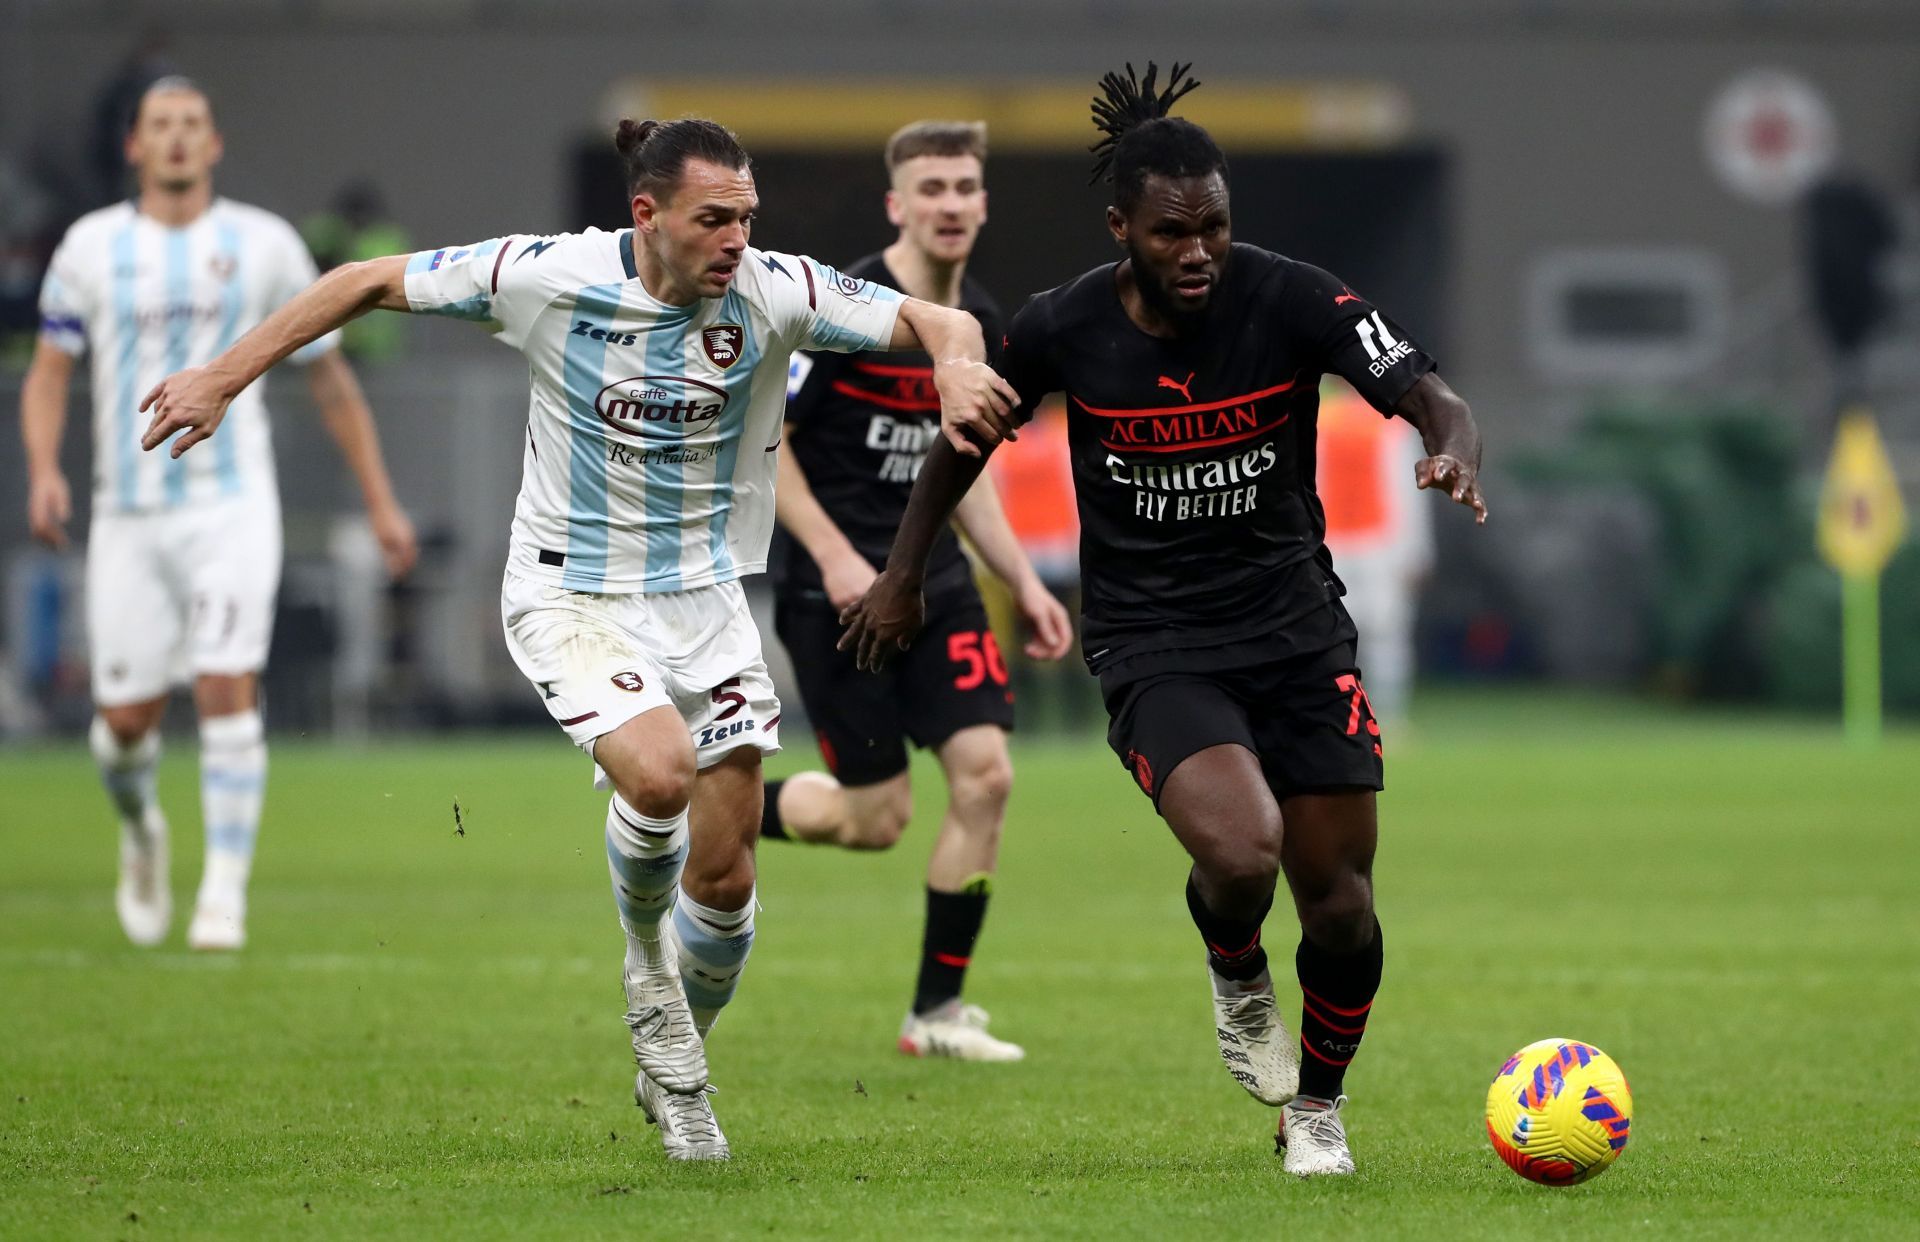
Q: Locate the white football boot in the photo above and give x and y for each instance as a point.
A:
(688, 1129)
(1255, 1044)
(665, 1044)
(220, 908)
(958, 1031)
(1314, 1139)
(143, 898)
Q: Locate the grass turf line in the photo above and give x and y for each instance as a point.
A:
(424, 1037)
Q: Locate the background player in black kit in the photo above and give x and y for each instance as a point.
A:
(1212, 614)
(858, 427)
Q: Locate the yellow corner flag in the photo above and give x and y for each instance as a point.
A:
(1861, 518)
(1861, 525)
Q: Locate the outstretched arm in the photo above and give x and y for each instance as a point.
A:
(844, 573)
(976, 405)
(893, 609)
(343, 407)
(1447, 429)
(984, 520)
(194, 401)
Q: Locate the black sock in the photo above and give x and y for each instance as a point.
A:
(1336, 998)
(771, 829)
(1233, 948)
(953, 924)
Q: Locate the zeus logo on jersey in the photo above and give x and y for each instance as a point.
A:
(721, 732)
(647, 405)
(593, 331)
(1380, 344)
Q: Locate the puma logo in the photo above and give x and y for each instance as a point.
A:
(1341, 299)
(1167, 381)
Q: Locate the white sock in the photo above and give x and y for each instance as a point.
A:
(645, 856)
(713, 951)
(233, 784)
(129, 773)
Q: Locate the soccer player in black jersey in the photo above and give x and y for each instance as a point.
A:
(858, 427)
(1212, 616)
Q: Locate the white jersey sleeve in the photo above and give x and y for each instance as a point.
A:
(293, 269)
(67, 299)
(817, 308)
(490, 283)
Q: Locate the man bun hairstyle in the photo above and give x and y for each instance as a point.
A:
(937, 138)
(1141, 139)
(655, 153)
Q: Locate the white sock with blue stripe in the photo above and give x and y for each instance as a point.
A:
(233, 784)
(713, 951)
(645, 856)
(129, 773)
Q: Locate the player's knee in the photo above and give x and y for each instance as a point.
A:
(659, 788)
(877, 823)
(1340, 919)
(128, 724)
(980, 787)
(1241, 868)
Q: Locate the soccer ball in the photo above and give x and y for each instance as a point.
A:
(1559, 1111)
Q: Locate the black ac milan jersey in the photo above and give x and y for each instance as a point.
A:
(861, 426)
(1193, 457)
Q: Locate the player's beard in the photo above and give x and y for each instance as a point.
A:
(1160, 299)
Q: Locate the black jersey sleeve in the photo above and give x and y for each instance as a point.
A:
(1352, 338)
(810, 377)
(1026, 358)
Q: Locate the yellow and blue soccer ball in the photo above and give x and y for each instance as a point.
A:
(1559, 1112)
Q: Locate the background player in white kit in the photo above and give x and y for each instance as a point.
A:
(658, 358)
(183, 557)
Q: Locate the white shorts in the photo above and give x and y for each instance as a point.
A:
(600, 660)
(178, 593)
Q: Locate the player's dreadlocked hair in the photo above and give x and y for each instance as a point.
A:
(1141, 138)
(656, 152)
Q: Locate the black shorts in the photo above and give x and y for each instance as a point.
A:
(1306, 718)
(952, 677)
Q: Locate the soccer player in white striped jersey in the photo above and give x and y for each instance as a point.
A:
(658, 359)
(183, 557)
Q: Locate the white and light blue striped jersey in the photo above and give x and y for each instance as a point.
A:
(652, 429)
(147, 300)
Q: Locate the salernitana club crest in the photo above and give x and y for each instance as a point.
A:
(723, 342)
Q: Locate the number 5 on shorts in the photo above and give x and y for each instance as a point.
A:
(728, 693)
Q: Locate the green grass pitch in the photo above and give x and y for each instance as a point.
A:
(424, 1038)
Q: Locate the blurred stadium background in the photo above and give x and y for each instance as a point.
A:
(1653, 241)
(1658, 244)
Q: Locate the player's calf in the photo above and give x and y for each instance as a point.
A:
(815, 808)
(233, 780)
(713, 945)
(645, 856)
(1330, 846)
